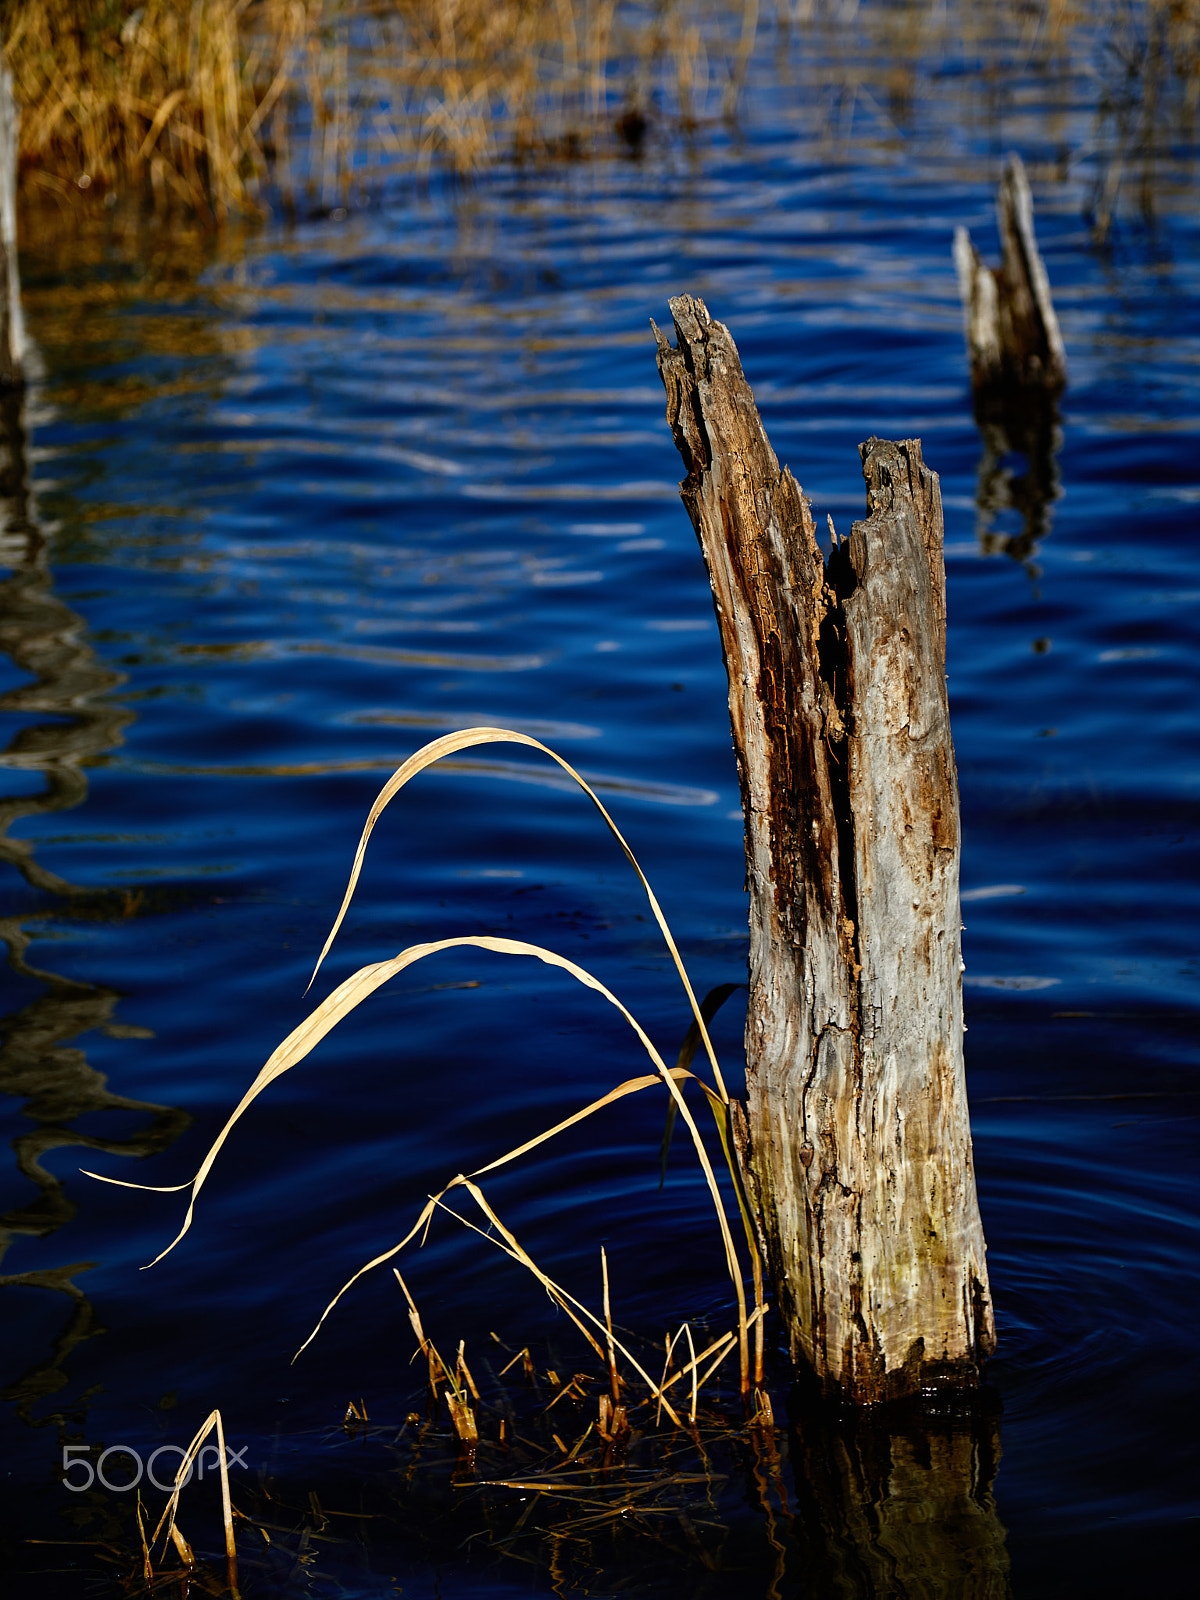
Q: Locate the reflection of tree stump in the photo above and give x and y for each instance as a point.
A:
(68, 688)
(1028, 427)
(1013, 338)
(890, 1510)
(856, 1143)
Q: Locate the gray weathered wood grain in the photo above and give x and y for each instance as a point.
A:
(855, 1142)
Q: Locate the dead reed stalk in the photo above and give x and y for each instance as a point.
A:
(367, 980)
(182, 1477)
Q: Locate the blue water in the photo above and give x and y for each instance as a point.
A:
(336, 489)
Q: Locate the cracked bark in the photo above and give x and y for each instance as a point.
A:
(856, 1143)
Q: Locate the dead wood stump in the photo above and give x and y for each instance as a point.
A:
(855, 1142)
(1013, 338)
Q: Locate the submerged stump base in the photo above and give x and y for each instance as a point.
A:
(855, 1141)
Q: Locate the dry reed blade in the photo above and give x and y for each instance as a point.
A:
(515, 1250)
(376, 1261)
(147, 1567)
(511, 1246)
(462, 1418)
(687, 1328)
(211, 1422)
(351, 993)
(613, 1378)
(579, 1443)
(466, 739)
(515, 1359)
(226, 1505)
(186, 1553)
(426, 1348)
(721, 1115)
(670, 1343)
(760, 1309)
(718, 1349)
(358, 987)
(630, 1086)
(464, 1370)
(709, 1006)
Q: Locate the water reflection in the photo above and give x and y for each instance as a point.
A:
(1018, 476)
(898, 1505)
(48, 641)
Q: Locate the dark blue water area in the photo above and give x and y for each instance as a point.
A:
(367, 482)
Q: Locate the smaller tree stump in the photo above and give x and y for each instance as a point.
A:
(1013, 338)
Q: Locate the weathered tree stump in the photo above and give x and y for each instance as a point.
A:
(855, 1144)
(12, 326)
(1013, 338)
(1018, 370)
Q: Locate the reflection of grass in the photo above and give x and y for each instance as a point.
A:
(546, 1484)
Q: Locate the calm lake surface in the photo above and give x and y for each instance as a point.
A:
(300, 500)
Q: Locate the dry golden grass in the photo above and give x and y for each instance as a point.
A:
(175, 95)
(363, 983)
(205, 103)
(520, 1454)
(474, 78)
(182, 1477)
(219, 106)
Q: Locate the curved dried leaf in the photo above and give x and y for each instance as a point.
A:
(363, 983)
(465, 739)
(709, 1006)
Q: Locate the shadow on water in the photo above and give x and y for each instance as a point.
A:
(45, 639)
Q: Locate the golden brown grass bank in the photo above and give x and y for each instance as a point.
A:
(219, 106)
(176, 96)
(205, 103)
